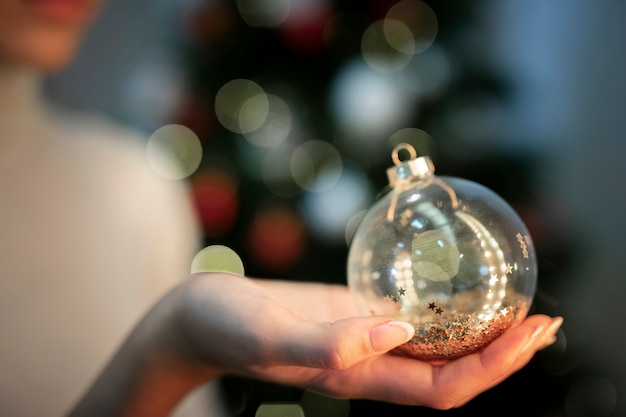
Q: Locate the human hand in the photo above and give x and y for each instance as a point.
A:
(310, 335)
(302, 334)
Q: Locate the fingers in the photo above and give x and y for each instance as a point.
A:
(458, 381)
(240, 324)
(541, 338)
(409, 381)
(343, 343)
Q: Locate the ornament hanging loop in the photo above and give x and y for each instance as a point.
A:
(402, 146)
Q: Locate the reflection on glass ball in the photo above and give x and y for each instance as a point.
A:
(446, 254)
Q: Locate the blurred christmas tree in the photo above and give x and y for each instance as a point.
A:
(313, 73)
(298, 105)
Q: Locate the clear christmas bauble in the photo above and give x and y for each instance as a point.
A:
(446, 254)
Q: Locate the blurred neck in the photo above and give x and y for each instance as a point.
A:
(19, 86)
(21, 106)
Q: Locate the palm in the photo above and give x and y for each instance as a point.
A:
(311, 335)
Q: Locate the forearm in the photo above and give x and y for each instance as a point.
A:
(150, 374)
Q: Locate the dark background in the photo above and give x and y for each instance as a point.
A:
(526, 98)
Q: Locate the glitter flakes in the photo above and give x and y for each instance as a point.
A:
(457, 333)
(453, 339)
(522, 243)
(459, 329)
(432, 306)
(395, 299)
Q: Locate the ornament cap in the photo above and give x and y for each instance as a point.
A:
(413, 168)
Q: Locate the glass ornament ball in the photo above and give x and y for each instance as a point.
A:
(446, 254)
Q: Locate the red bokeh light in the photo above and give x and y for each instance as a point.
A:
(305, 32)
(277, 239)
(216, 199)
(209, 22)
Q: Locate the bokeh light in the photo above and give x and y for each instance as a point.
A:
(418, 18)
(217, 258)
(275, 127)
(276, 238)
(590, 396)
(276, 171)
(241, 106)
(279, 409)
(421, 141)
(329, 212)
(368, 104)
(316, 404)
(306, 27)
(174, 151)
(264, 13)
(378, 53)
(216, 198)
(409, 27)
(562, 357)
(316, 165)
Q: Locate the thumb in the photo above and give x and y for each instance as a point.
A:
(388, 335)
(343, 343)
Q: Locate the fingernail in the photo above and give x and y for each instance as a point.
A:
(550, 333)
(388, 335)
(554, 326)
(531, 339)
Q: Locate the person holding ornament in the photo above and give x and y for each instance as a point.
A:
(78, 273)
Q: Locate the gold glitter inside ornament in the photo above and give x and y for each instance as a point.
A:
(446, 254)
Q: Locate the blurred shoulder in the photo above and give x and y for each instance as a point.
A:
(115, 153)
(112, 162)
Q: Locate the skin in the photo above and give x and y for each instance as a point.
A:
(43, 36)
(215, 324)
(303, 334)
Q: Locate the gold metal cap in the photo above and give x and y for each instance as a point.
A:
(413, 168)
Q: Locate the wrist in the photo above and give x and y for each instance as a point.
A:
(152, 371)
(170, 364)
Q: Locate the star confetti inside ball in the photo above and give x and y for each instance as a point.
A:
(446, 254)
